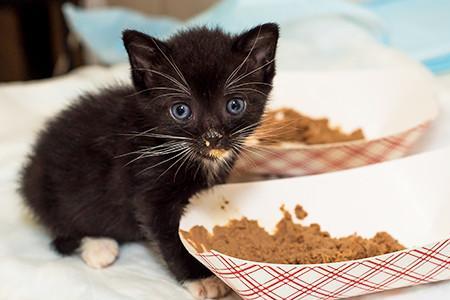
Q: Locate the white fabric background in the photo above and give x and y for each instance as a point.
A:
(29, 270)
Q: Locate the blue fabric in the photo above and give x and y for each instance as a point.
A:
(237, 15)
(100, 29)
(420, 28)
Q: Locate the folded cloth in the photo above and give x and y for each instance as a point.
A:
(421, 28)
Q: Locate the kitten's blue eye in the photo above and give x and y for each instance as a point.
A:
(180, 111)
(236, 106)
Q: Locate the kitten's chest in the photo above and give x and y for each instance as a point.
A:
(177, 186)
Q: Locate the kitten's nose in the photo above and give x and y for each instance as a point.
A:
(212, 138)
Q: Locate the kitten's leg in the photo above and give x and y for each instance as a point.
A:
(99, 253)
(196, 278)
(161, 227)
(207, 288)
(66, 245)
(95, 252)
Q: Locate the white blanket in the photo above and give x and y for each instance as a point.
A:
(29, 269)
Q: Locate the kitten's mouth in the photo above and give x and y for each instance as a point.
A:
(216, 154)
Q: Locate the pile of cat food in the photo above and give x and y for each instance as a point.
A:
(288, 125)
(291, 243)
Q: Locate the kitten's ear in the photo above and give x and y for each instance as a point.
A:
(260, 44)
(146, 55)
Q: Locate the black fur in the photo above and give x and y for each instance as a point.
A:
(79, 180)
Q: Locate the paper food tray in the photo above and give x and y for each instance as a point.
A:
(393, 107)
(408, 198)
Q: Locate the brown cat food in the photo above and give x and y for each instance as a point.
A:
(291, 243)
(288, 125)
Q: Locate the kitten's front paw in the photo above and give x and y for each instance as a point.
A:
(207, 288)
(99, 253)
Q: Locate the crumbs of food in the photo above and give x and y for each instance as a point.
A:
(224, 204)
(291, 243)
(300, 213)
(288, 125)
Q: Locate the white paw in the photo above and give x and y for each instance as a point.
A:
(99, 253)
(208, 288)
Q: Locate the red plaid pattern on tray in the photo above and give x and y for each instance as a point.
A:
(316, 160)
(331, 281)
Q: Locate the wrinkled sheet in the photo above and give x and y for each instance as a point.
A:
(30, 270)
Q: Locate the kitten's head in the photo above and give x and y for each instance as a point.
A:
(205, 88)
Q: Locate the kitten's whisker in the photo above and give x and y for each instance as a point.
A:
(247, 152)
(263, 140)
(148, 149)
(172, 63)
(246, 133)
(165, 148)
(192, 159)
(227, 164)
(249, 127)
(168, 77)
(147, 154)
(268, 124)
(252, 83)
(237, 130)
(257, 134)
(156, 88)
(187, 157)
(135, 159)
(274, 127)
(167, 136)
(234, 90)
(268, 133)
(183, 153)
(181, 75)
(167, 144)
(165, 95)
(243, 155)
(263, 133)
(248, 158)
(139, 133)
(249, 73)
(246, 148)
(129, 153)
(164, 152)
(142, 151)
(240, 127)
(266, 150)
(185, 131)
(238, 68)
(161, 162)
(198, 169)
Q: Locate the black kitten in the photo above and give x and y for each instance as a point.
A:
(120, 165)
